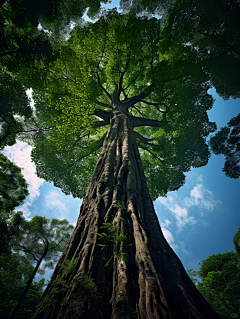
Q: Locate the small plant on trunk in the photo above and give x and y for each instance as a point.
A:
(115, 235)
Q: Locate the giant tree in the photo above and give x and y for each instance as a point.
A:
(143, 121)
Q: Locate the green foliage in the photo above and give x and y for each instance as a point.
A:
(39, 238)
(115, 234)
(13, 187)
(227, 142)
(210, 31)
(89, 288)
(15, 271)
(60, 285)
(88, 65)
(24, 48)
(236, 241)
(220, 280)
(69, 265)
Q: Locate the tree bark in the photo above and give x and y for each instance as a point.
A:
(152, 283)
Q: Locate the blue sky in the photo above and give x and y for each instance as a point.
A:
(198, 220)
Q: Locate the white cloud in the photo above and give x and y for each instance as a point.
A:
(196, 193)
(199, 197)
(62, 206)
(19, 153)
(54, 201)
(168, 235)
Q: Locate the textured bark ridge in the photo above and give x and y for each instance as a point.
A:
(151, 283)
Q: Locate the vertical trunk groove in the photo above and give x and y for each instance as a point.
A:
(151, 283)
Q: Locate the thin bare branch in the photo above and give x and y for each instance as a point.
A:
(143, 139)
(134, 78)
(140, 112)
(154, 155)
(154, 104)
(123, 73)
(103, 88)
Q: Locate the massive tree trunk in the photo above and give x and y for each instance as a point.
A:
(151, 282)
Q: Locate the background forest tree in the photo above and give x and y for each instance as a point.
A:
(220, 279)
(22, 243)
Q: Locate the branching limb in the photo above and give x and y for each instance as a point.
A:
(139, 121)
(126, 67)
(100, 123)
(102, 104)
(97, 145)
(103, 88)
(154, 155)
(141, 67)
(133, 100)
(143, 139)
(154, 104)
(104, 115)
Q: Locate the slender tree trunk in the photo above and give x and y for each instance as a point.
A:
(151, 283)
(26, 288)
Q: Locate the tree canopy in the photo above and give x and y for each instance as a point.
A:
(107, 64)
(13, 187)
(24, 44)
(211, 31)
(227, 142)
(220, 280)
(15, 272)
(38, 240)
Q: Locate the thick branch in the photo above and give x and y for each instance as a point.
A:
(102, 104)
(105, 115)
(133, 100)
(100, 123)
(139, 121)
